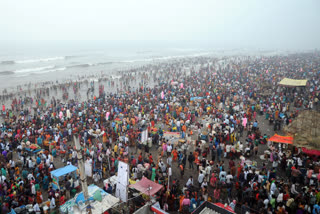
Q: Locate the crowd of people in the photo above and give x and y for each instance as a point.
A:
(224, 112)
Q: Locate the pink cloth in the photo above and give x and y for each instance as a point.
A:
(244, 122)
(164, 147)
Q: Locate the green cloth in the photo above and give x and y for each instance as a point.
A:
(3, 172)
(153, 176)
(73, 192)
(25, 174)
(273, 202)
(37, 187)
(97, 196)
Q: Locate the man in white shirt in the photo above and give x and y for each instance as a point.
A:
(30, 177)
(189, 182)
(229, 177)
(12, 163)
(2, 179)
(56, 137)
(208, 171)
(266, 203)
(169, 150)
(30, 163)
(222, 174)
(228, 149)
(280, 197)
(36, 208)
(200, 178)
(169, 160)
(170, 173)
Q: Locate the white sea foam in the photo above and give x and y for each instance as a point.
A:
(38, 69)
(40, 60)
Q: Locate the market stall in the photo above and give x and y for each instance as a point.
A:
(99, 201)
(146, 186)
(112, 181)
(172, 137)
(32, 149)
(56, 174)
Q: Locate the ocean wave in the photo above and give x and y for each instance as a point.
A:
(40, 60)
(38, 69)
(137, 60)
(11, 62)
(104, 63)
(71, 57)
(6, 72)
(79, 65)
(85, 65)
(48, 71)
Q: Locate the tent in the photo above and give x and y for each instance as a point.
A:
(146, 186)
(292, 82)
(281, 139)
(55, 174)
(100, 201)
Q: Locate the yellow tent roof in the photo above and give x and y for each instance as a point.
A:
(293, 82)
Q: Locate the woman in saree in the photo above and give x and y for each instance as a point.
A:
(39, 197)
(267, 115)
(175, 154)
(153, 176)
(213, 180)
(45, 182)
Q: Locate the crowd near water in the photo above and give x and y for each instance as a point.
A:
(223, 110)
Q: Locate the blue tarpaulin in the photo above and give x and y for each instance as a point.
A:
(91, 190)
(196, 98)
(63, 171)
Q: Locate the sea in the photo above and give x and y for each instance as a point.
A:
(22, 64)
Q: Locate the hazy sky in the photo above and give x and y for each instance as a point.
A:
(237, 23)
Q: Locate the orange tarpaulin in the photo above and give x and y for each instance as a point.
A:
(281, 139)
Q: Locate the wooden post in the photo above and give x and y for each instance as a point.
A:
(83, 177)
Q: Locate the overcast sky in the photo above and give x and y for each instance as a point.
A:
(229, 23)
